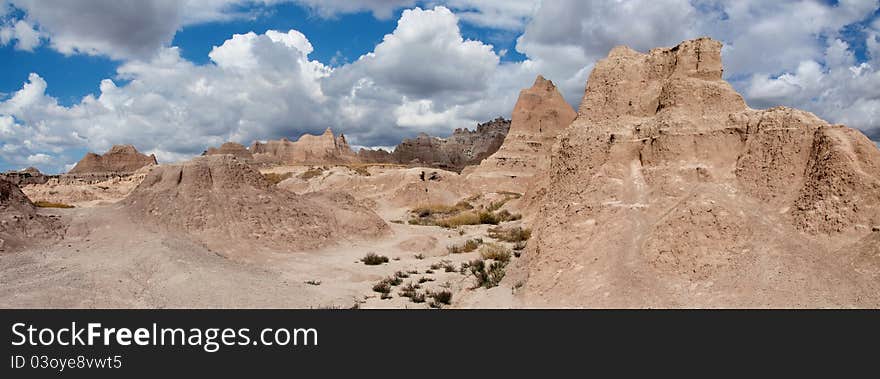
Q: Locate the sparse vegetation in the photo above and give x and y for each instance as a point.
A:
(425, 280)
(487, 276)
(420, 256)
(275, 178)
(372, 259)
(360, 170)
(467, 247)
(461, 219)
(313, 172)
(461, 214)
(442, 297)
(382, 287)
(417, 297)
(401, 275)
(516, 234)
(314, 282)
(409, 290)
(48, 204)
(495, 252)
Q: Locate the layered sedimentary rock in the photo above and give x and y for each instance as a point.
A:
(463, 148)
(669, 191)
(540, 114)
(20, 223)
(308, 149)
(230, 207)
(375, 156)
(28, 176)
(231, 148)
(121, 159)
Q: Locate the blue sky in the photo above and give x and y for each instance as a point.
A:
(337, 40)
(174, 77)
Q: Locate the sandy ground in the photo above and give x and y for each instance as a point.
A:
(106, 260)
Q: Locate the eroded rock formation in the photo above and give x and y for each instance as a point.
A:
(308, 149)
(230, 207)
(121, 159)
(540, 114)
(463, 148)
(231, 148)
(20, 223)
(669, 191)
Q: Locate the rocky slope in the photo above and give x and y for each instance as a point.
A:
(308, 149)
(540, 114)
(121, 159)
(669, 191)
(228, 206)
(21, 224)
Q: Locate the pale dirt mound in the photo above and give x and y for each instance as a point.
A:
(397, 188)
(20, 222)
(668, 191)
(120, 159)
(540, 114)
(231, 208)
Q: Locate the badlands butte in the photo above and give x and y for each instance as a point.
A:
(663, 189)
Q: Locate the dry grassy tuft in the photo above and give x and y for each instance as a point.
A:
(48, 204)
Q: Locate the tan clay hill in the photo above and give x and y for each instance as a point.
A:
(540, 114)
(231, 148)
(669, 191)
(228, 206)
(121, 159)
(309, 149)
(20, 225)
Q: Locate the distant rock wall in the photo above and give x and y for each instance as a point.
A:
(120, 159)
(309, 149)
(463, 148)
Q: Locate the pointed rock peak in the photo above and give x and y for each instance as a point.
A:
(328, 132)
(543, 83)
(123, 149)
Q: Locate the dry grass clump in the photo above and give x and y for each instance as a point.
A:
(486, 276)
(274, 178)
(495, 252)
(49, 204)
(313, 172)
(440, 298)
(361, 170)
(461, 214)
(461, 219)
(372, 259)
(514, 235)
